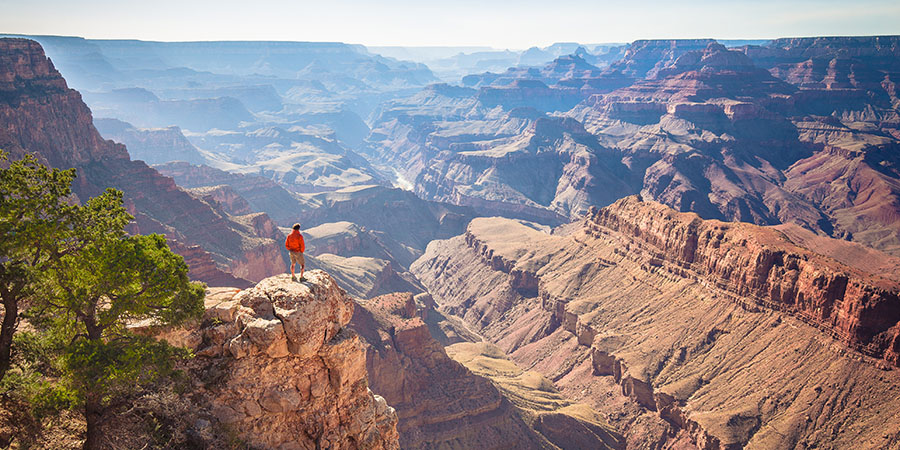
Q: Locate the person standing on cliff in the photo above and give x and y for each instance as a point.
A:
(295, 245)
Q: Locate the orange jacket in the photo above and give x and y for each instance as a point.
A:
(294, 242)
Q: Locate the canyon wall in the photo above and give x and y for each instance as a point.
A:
(684, 332)
(761, 265)
(466, 395)
(440, 403)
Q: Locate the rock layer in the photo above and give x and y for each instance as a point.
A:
(440, 403)
(762, 265)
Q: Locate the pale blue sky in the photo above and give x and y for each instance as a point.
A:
(512, 24)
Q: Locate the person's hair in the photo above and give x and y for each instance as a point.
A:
(296, 226)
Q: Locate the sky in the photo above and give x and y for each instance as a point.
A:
(509, 24)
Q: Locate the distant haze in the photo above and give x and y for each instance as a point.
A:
(519, 25)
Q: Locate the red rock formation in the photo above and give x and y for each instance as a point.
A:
(286, 371)
(762, 265)
(39, 114)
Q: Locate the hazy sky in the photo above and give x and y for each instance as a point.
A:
(510, 24)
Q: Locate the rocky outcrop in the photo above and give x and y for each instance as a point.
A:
(277, 365)
(39, 114)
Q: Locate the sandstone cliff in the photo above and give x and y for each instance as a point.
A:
(278, 367)
(762, 265)
(439, 402)
(684, 332)
(485, 402)
(40, 114)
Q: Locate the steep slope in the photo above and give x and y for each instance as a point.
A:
(40, 114)
(442, 404)
(682, 330)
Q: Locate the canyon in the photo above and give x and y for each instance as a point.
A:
(792, 131)
(667, 244)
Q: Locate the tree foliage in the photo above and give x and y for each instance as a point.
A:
(35, 220)
(87, 283)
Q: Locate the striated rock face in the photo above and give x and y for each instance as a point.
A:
(440, 403)
(277, 365)
(39, 114)
(686, 333)
(762, 265)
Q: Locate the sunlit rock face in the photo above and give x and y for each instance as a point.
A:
(289, 372)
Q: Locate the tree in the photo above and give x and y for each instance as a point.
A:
(83, 280)
(35, 224)
(112, 281)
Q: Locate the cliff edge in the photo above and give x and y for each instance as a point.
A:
(277, 366)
